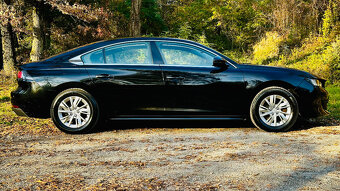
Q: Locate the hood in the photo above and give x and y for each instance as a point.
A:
(276, 69)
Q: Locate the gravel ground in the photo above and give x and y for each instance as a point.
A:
(173, 159)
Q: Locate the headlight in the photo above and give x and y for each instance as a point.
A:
(314, 82)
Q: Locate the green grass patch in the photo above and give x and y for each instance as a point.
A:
(334, 101)
(5, 99)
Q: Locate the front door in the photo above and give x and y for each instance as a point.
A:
(193, 86)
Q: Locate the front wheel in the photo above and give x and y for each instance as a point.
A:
(274, 109)
(75, 111)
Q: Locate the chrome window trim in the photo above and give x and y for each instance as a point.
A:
(122, 65)
(76, 59)
(150, 65)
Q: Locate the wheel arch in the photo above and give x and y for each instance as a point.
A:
(69, 85)
(278, 83)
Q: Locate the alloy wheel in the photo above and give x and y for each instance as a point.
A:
(275, 110)
(74, 112)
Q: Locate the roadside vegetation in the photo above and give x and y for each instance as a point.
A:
(334, 102)
(11, 124)
(291, 33)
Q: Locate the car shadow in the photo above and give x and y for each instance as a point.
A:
(305, 124)
(126, 125)
(302, 124)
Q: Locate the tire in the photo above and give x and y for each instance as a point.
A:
(274, 109)
(75, 111)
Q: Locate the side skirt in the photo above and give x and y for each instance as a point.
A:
(178, 118)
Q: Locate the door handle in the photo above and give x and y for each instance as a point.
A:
(175, 78)
(104, 76)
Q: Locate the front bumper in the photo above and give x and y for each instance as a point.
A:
(312, 101)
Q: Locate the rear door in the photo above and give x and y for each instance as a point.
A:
(193, 86)
(126, 78)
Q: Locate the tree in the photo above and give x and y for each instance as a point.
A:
(37, 43)
(1, 58)
(135, 21)
(7, 39)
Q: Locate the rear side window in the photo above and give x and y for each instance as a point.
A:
(130, 53)
(95, 57)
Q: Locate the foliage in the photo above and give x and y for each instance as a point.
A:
(290, 33)
(317, 55)
(268, 48)
(330, 17)
(334, 101)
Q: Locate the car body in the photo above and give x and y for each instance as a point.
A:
(164, 79)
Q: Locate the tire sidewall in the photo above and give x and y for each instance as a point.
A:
(255, 115)
(94, 116)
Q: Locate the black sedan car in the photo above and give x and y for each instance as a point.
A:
(162, 79)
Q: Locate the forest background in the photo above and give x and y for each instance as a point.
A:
(302, 34)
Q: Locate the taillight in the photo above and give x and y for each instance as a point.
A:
(19, 74)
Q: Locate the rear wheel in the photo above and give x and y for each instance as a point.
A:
(274, 109)
(75, 111)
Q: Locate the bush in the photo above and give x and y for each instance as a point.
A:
(317, 55)
(268, 48)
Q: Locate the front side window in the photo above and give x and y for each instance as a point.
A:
(182, 54)
(95, 57)
(131, 53)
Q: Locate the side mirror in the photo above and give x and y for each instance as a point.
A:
(221, 64)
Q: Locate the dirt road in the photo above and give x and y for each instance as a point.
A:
(174, 159)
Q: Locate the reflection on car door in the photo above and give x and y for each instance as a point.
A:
(126, 77)
(192, 86)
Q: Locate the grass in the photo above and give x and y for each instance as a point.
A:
(11, 124)
(334, 101)
(5, 106)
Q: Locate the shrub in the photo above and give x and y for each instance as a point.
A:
(318, 56)
(268, 48)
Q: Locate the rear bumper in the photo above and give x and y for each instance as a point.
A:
(19, 112)
(28, 104)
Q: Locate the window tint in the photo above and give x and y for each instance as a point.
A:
(95, 57)
(132, 53)
(181, 54)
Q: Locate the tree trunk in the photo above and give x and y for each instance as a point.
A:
(7, 44)
(47, 35)
(37, 44)
(7, 49)
(1, 58)
(135, 22)
(47, 19)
